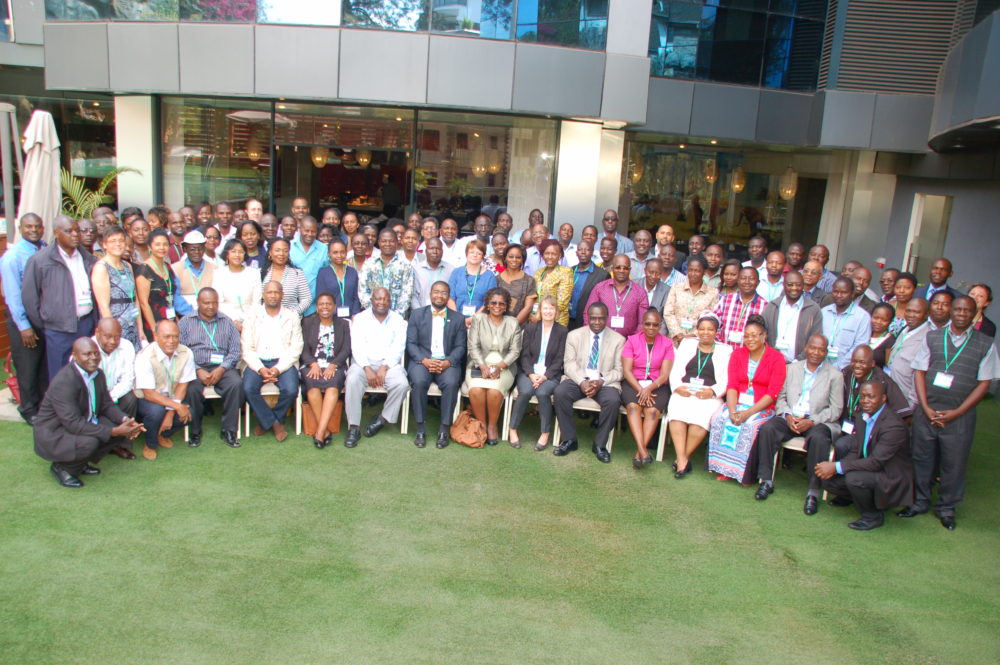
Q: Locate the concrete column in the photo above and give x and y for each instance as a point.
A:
(136, 139)
(588, 174)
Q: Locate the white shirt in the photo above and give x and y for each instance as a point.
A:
(788, 325)
(270, 336)
(769, 291)
(146, 380)
(119, 368)
(238, 292)
(81, 281)
(455, 255)
(375, 343)
(417, 257)
(761, 271)
(570, 259)
(226, 236)
(437, 336)
(423, 279)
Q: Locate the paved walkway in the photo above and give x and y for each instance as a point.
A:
(8, 407)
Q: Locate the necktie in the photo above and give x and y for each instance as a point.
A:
(442, 314)
(595, 351)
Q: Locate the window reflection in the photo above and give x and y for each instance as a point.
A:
(407, 15)
(6, 29)
(582, 23)
(473, 18)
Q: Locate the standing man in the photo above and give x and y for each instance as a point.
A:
(255, 210)
(378, 341)
(656, 291)
(505, 222)
(643, 244)
(793, 320)
(56, 293)
(714, 256)
(846, 325)
(452, 251)
(908, 344)
(940, 272)
(887, 284)
(482, 229)
(593, 368)
(425, 273)
(610, 223)
(177, 229)
(589, 233)
(770, 285)
(696, 245)
(77, 422)
(389, 271)
(736, 309)
(565, 238)
(215, 343)
(626, 304)
(190, 220)
(533, 258)
(163, 371)
(796, 256)
(812, 272)
(821, 255)
(757, 249)
(953, 370)
(665, 238)
(300, 208)
(428, 230)
(940, 309)
(862, 278)
(27, 344)
(224, 221)
(269, 225)
(118, 366)
(435, 345)
(308, 254)
(88, 237)
(586, 275)
(193, 272)
(669, 274)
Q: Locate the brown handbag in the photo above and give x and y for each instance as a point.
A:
(468, 431)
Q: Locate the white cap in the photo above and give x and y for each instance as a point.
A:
(195, 238)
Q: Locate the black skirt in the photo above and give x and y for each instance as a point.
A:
(322, 384)
(629, 395)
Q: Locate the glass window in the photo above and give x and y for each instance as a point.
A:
(385, 14)
(6, 29)
(473, 18)
(297, 12)
(235, 11)
(580, 23)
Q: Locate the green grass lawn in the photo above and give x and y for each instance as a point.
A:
(386, 554)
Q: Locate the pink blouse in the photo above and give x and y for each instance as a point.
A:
(635, 348)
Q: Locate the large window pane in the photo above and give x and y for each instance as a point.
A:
(236, 11)
(581, 23)
(473, 18)
(386, 14)
(75, 10)
(298, 12)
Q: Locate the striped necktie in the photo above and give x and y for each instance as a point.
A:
(595, 352)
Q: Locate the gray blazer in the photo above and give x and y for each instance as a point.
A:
(578, 345)
(810, 323)
(659, 293)
(826, 398)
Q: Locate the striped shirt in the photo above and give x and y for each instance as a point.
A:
(295, 292)
(216, 336)
(733, 313)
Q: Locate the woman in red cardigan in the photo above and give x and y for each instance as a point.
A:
(756, 376)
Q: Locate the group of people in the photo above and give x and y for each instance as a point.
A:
(124, 331)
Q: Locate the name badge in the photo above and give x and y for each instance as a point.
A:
(592, 374)
(85, 301)
(645, 382)
(215, 358)
(696, 382)
(617, 321)
(538, 368)
(746, 399)
(322, 363)
(847, 427)
(171, 313)
(782, 345)
(468, 310)
(943, 380)
(343, 312)
(832, 354)
(735, 337)
(687, 324)
(534, 308)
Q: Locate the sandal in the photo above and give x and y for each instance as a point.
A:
(515, 444)
(541, 446)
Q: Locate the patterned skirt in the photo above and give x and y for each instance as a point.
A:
(731, 449)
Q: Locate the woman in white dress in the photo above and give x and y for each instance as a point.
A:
(238, 286)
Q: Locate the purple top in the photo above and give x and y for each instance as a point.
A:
(631, 304)
(635, 348)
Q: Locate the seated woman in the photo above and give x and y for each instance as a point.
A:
(541, 365)
(295, 289)
(252, 236)
(326, 346)
(340, 279)
(698, 383)
(239, 287)
(470, 283)
(494, 347)
(646, 361)
(756, 376)
(519, 284)
(882, 338)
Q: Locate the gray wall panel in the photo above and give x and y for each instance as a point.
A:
(902, 122)
(22, 55)
(945, 94)
(628, 26)
(383, 66)
(28, 17)
(470, 72)
(988, 102)
(558, 80)
(626, 88)
(724, 111)
(783, 117)
(668, 108)
(847, 119)
(76, 56)
(969, 73)
(143, 57)
(216, 59)
(281, 51)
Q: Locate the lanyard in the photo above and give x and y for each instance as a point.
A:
(618, 307)
(702, 363)
(744, 313)
(649, 358)
(196, 280)
(472, 290)
(949, 363)
(123, 277)
(165, 277)
(576, 274)
(902, 338)
(92, 396)
(382, 269)
(852, 398)
(340, 282)
(211, 335)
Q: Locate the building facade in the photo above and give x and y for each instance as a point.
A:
(868, 125)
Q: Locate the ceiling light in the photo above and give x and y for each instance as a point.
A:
(713, 142)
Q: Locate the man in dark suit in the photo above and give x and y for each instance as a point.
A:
(435, 343)
(862, 278)
(78, 423)
(656, 290)
(940, 272)
(586, 275)
(877, 473)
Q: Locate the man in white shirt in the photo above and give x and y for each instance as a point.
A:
(163, 371)
(643, 243)
(378, 337)
(118, 365)
(425, 273)
(565, 238)
(771, 283)
(533, 259)
(272, 343)
(454, 251)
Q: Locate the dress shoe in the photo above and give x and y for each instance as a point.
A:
(65, 478)
(601, 453)
(539, 446)
(683, 472)
(194, 440)
(812, 505)
(910, 512)
(444, 438)
(492, 442)
(353, 436)
(280, 433)
(948, 522)
(90, 470)
(841, 501)
(867, 525)
(148, 453)
(29, 418)
(515, 443)
(124, 453)
(374, 427)
(230, 439)
(565, 448)
(420, 440)
(319, 443)
(764, 490)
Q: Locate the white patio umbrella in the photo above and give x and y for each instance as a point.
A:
(41, 192)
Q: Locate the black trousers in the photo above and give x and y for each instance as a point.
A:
(32, 372)
(951, 445)
(776, 431)
(568, 392)
(449, 381)
(128, 403)
(230, 387)
(860, 486)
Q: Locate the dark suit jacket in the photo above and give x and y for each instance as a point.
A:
(866, 303)
(593, 279)
(921, 292)
(531, 348)
(61, 426)
(810, 323)
(896, 403)
(326, 282)
(660, 293)
(888, 456)
(418, 336)
(341, 341)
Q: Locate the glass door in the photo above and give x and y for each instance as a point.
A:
(928, 229)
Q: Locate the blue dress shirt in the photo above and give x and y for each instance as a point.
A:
(12, 273)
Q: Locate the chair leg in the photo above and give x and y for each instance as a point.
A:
(404, 414)
(187, 435)
(662, 439)
(774, 464)
(505, 419)
(298, 414)
(831, 459)
(246, 411)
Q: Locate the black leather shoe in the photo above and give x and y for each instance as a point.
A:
(840, 502)
(374, 426)
(867, 525)
(565, 448)
(602, 454)
(353, 436)
(948, 522)
(812, 505)
(444, 438)
(420, 440)
(764, 490)
(194, 440)
(65, 478)
(319, 443)
(683, 472)
(910, 512)
(492, 442)
(230, 439)
(90, 470)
